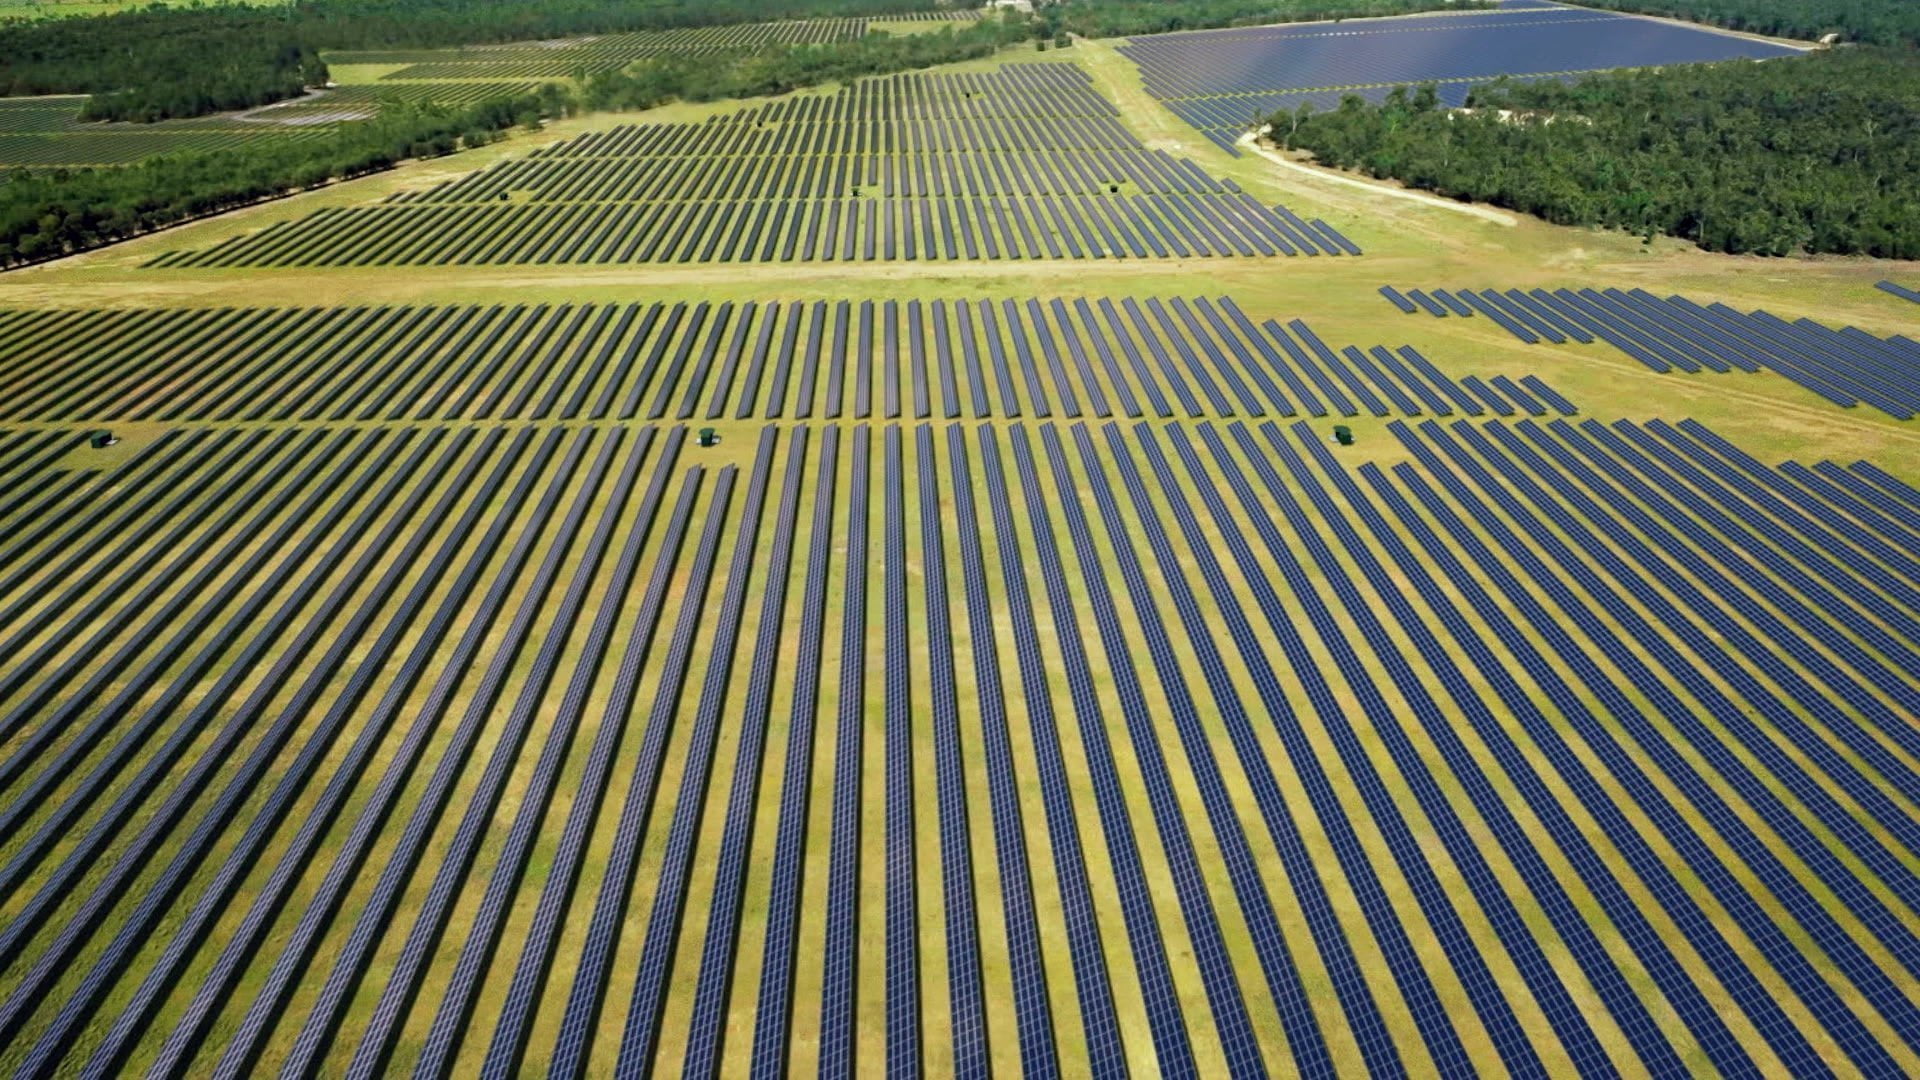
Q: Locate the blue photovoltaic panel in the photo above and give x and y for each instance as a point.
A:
(1900, 291)
(1435, 1026)
(904, 1052)
(1788, 963)
(1419, 49)
(1847, 366)
(1151, 967)
(1226, 82)
(839, 953)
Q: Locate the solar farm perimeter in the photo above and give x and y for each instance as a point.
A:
(1027, 681)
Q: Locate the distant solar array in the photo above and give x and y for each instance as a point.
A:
(1025, 162)
(1226, 119)
(566, 57)
(1221, 80)
(947, 358)
(38, 131)
(48, 131)
(1563, 748)
(1848, 366)
(364, 96)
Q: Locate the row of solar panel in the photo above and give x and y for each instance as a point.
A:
(1521, 498)
(338, 505)
(607, 52)
(1848, 367)
(735, 176)
(610, 51)
(975, 358)
(1050, 93)
(786, 230)
(34, 451)
(884, 133)
(31, 484)
(1705, 1024)
(1900, 291)
(1742, 583)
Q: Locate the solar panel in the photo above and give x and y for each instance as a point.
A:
(640, 1033)
(1223, 991)
(1436, 1028)
(1900, 291)
(1092, 985)
(965, 992)
(1847, 366)
(903, 1047)
(1171, 1041)
(840, 947)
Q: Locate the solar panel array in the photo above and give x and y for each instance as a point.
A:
(32, 482)
(1225, 81)
(1562, 746)
(567, 57)
(1022, 684)
(123, 146)
(802, 359)
(33, 451)
(364, 98)
(1848, 367)
(1025, 162)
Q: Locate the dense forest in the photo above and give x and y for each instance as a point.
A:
(50, 212)
(151, 65)
(1876, 22)
(164, 62)
(1820, 154)
(380, 24)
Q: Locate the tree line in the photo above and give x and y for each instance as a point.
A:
(1819, 154)
(46, 213)
(1874, 22)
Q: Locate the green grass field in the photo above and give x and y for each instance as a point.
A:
(1449, 726)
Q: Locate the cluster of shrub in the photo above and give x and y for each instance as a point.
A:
(1820, 154)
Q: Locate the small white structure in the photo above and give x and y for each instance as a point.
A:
(1017, 5)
